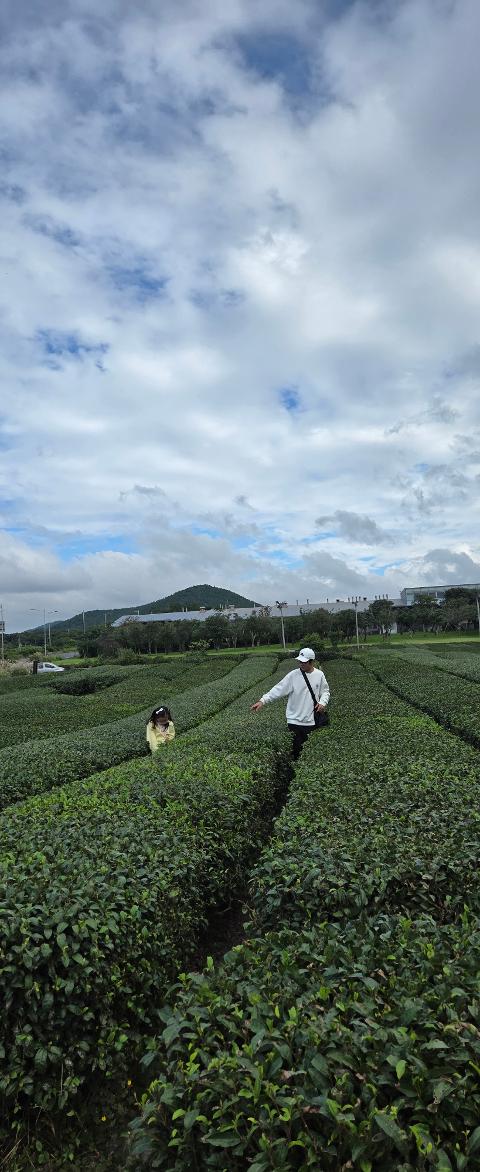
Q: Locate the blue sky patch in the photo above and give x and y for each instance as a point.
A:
(217, 298)
(138, 281)
(12, 192)
(290, 399)
(277, 56)
(46, 226)
(69, 550)
(60, 344)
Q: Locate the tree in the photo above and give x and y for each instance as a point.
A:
(318, 620)
(315, 641)
(216, 629)
(236, 629)
(344, 623)
(252, 630)
(382, 612)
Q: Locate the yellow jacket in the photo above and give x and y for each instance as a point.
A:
(156, 735)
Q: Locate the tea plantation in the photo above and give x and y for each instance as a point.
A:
(342, 1031)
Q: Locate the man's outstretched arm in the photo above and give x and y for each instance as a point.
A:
(275, 693)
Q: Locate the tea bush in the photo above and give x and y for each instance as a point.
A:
(342, 1046)
(105, 889)
(344, 1032)
(453, 701)
(455, 662)
(95, 697)
(39, 765)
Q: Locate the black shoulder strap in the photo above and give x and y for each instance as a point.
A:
(309, 686)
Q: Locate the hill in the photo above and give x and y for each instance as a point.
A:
(213, 597)
(193, 597)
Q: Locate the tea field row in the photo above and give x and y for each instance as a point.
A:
(38, 765)
(343, 1033)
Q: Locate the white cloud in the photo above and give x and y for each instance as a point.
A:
(184, 236)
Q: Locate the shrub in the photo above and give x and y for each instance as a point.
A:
(105, 889)
(343, 1032)
(39, 765)
(330, 1049)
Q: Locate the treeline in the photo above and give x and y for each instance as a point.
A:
(457, 613)
(219, 631)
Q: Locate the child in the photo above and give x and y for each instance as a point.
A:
(160, 728)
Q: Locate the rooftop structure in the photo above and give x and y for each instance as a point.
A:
(411, 594)
(246, 612)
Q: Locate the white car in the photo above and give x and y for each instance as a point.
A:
(49, 667)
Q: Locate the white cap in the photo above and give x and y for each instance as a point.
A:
(305, 655)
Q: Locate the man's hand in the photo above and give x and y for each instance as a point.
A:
(320, 707)
(256, 707)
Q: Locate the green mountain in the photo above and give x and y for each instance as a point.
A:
(213, 597)
(193, 597)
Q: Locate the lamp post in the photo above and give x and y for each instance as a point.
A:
(2, 629)
(49, 635)
(356, 601)
(280, 606)
(35, 610)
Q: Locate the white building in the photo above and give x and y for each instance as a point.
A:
(411, 594)
(333, 606)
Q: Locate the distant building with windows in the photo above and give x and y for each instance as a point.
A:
(411, 594)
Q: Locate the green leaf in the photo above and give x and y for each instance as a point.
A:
(388, 1125)
(227, 1140)
(170, 1033)
(400, 1068)
(473, 1141)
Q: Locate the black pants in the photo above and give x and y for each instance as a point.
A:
(300, 732)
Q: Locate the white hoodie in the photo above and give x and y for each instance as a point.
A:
(300, 703)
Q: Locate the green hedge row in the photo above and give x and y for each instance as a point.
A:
(383, 815)
(97, 696)
(344, 1032)
(453, 701)
(458, 663)
(38, 765)
(105, 889)
(329, 1049)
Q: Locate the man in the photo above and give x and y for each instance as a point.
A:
(300, 706)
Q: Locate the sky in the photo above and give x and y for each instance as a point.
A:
(239, 300)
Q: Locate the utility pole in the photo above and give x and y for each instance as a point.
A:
(280, 606)
(478, 614)
(2, 628)
(83, 617)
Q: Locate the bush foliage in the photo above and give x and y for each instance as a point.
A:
(343, 1032)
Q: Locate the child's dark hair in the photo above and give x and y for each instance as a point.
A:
(162, 711)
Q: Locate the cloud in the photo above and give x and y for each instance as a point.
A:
(240, 264)
(445, 566)
(355, 527)
(438, 412)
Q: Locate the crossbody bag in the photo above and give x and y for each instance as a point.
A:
(320, 718)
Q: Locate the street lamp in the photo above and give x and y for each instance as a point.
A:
(34, 610)
(280, 606)
(356, 601)
(49, 635)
